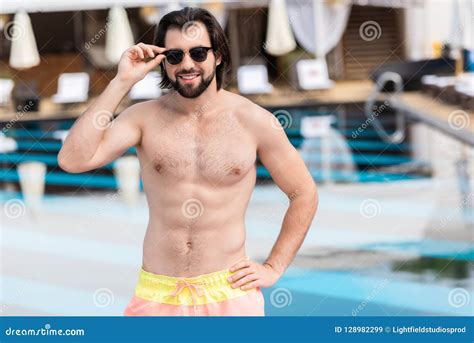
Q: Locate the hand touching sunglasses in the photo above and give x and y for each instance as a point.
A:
(175, 56)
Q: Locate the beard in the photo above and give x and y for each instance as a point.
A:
(189, 91)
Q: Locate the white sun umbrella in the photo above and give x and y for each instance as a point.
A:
(119, 35)
(280, 38)
(24, 52)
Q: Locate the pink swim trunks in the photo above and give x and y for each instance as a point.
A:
(203, 295)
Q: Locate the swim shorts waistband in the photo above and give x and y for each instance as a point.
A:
(198, 290)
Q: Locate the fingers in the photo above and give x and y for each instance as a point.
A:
(241, 264)
(136, 51)
(147, 49)
(245, 272)
(245, 280)
(155, 61)
(250, 285)
(240, 274)
(142, 50)
(157, 49)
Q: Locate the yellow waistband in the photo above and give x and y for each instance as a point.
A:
(198, 290)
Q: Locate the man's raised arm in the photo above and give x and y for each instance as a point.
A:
(96, 138)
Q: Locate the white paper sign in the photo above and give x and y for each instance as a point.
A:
(253, 79)
(72, 87)
(313, 74)
(316, 126)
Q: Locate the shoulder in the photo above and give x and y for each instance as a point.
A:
(249, 113)
(139, 108)
(266, 127)
(141, 112)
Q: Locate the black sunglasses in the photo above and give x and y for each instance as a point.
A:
(198, 54)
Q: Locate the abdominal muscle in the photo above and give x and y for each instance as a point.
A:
(195, 229)
(178, 252)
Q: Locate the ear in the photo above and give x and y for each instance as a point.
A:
(218, 59)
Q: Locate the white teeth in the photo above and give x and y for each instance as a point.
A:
(189, 77)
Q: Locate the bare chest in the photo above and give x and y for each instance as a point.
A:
(220, 152)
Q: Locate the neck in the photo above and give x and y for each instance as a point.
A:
(190, 106)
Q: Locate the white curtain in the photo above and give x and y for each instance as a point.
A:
(450, 22)
(279, 39)
(333, 17)
(461, 24)
(417, 45)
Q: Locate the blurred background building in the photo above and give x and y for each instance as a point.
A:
(376, 95)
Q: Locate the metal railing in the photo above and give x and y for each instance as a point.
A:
(399, 135)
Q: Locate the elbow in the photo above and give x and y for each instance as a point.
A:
(313, 195)
(309, 196)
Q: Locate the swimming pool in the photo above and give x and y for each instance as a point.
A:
(421, 286)
(80, 255)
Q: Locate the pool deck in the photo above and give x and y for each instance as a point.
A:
(57, 259)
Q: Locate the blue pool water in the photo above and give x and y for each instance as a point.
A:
(437, 280)
(378, 292)
(428, 277)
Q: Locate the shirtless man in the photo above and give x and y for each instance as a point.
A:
(197, 146)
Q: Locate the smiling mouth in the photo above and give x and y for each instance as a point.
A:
(189, 77)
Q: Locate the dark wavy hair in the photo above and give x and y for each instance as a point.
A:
(217, 36)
